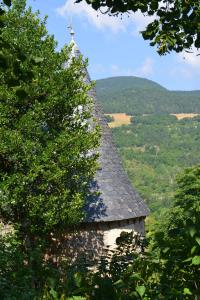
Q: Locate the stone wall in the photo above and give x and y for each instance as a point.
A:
(91, 240)
(113, 230)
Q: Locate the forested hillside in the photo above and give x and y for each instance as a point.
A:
(154, 150)
(157, 146)
(136, 96)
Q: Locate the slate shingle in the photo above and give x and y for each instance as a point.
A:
(118, 200)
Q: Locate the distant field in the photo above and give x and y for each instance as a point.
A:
(184, 116)
(119, 120)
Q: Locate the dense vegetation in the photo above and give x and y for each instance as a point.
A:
(154, 150)
(44, 171)
(137, 96)
(45, 168)
(168, 270)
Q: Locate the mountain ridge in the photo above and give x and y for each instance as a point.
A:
(135, 95)
(145, 79)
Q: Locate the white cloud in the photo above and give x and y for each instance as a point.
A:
(187, 65)
(181, 72)
(137, 20)
(191, 59)
(118, 71)
(145, 70)
(85, 11)
(140, 21)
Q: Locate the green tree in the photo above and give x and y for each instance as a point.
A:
(177, 241)
(45, 138)
(176, 24)
(3, 5)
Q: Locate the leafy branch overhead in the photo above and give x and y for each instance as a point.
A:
(176, 24)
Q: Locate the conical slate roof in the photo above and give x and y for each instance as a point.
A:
(116, 198)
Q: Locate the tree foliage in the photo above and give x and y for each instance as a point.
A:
(45, 138)
(177, 242)
(169, 269)
(176, 25)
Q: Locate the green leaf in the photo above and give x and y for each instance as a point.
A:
(76, 298)
(192, 231)
(78, 279)
(186, 291)
(7, 2)
(135, 276)
(193, 249)
(140, 290)
(37, 59)
(54, 294)
(188, 259)
(196, 260)
(165, 250)
(119, 283)
(197, 239)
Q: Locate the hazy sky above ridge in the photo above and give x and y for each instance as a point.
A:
(115, 47)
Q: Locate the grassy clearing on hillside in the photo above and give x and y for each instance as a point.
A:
(119, 119)
(185, 116)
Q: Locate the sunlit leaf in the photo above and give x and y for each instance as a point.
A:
(119, 283)
(196, 260)
(165, 250)
(198, 240)
(186, 291)
(38, 59)
(141, 290)
(78, 279)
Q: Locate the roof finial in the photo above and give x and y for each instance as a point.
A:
(71, 31)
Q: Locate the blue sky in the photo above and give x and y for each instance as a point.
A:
(114, 47)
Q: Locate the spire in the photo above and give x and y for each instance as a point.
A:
(114, 198)
(71, 31)
(75, 51)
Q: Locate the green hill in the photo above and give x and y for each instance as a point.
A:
(136, 96)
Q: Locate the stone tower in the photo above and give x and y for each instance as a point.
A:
(118, 207)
